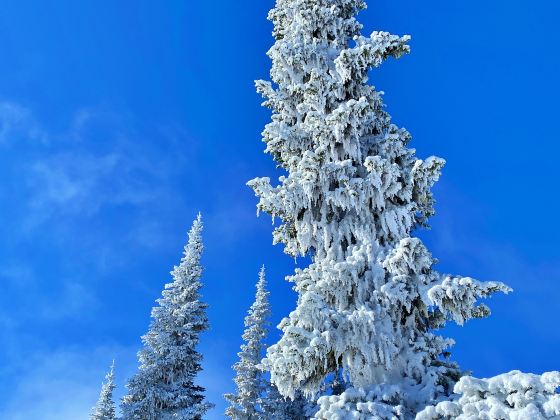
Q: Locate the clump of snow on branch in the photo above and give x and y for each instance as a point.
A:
(509, 396)
(370, 303)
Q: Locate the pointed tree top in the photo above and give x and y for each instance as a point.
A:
(193, 249)
(197, 225)
(262, 278)
(105, 407)
(169, 361)
(248, 402)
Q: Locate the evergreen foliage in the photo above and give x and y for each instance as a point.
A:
(256, 397)
(249, 380)
(105, 407)
(371, 301)
(513, 395)
(164, 388)
(278, 407)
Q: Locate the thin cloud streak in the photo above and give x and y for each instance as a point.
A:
(63, 384)
(18, 123)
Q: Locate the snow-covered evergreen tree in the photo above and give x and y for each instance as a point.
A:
(164, 387)
(277, 407)
(370, 302)
(105, 407)
(256, 397)
(250, 381)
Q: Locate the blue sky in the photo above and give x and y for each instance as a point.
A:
(119, 121)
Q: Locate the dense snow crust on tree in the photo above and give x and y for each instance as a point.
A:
(105, 407)
(509, 396)
(256, 398)
(164, 387)
(371, 301)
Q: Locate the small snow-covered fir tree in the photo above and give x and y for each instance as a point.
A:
(371, 301)
(251, 384)
(105, 407)
(164, 387)
(256, 397)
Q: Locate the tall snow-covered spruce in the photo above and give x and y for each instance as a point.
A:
(370, 302)
(256, 398)
(164, 387)
(105, 407)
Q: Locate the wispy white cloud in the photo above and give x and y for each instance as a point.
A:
(72, 299)
(78, 178)
(91, 172)
(17, 122)
(96, 163)
(82, 183)
(63, 384)
(17, 274)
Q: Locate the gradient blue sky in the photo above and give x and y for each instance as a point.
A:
(120, 120)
